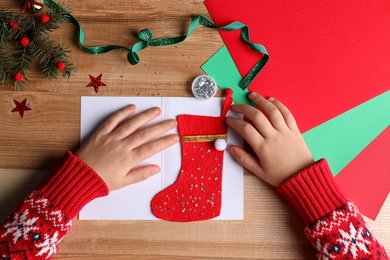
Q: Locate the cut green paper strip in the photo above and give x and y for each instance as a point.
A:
(221, 67)
(146, 37)
(343, 138)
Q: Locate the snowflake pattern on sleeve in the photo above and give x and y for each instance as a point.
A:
(343, 234)
(34, 230)
(20, 226)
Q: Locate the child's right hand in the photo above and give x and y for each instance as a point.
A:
(274, 136)
(115, 150)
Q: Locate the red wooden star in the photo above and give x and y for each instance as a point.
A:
(96, 82)
(21, 107)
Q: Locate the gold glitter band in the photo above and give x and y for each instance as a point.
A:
(202, 138)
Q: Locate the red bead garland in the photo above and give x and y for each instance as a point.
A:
(13, 25)
(45, 18)
(18, 77)
(25, 41)
(61, 65)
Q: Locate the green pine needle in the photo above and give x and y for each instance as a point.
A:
(14, 58)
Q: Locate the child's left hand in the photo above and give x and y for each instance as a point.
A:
(115, 149)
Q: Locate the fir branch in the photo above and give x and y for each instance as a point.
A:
(5, 17)
(25, 25)
(43, 49)
(59, 8)
(69, 70)
(3, 31)
(12, 62)
(57, 17)
(24, 63)
(22, 66)
(48, 54)
(4, 75)
(50, 69)
(15, 60)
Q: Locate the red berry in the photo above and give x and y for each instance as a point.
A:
(13, 25)
(45, 18)
(61, 65)
(18, 77)
(25, 41)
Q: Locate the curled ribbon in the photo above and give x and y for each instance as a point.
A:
(146, 37)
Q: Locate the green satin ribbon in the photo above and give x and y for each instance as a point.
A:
(146, 37)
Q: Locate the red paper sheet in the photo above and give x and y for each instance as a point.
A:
(366, 180)
(326, 57)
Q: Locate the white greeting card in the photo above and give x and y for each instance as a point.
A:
(133, 202)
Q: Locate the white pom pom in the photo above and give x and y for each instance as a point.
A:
(220, 144)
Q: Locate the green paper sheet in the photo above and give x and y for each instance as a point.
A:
(340, 139)
(221, 67)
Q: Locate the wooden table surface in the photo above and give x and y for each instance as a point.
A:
(29, 147)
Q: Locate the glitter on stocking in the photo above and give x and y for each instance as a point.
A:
(195, 195)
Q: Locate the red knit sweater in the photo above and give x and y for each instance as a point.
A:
(334, 225)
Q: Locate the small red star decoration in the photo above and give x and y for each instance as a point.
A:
(21, 107)
(96, 82)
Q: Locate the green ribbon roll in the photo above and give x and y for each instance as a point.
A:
(146, 37)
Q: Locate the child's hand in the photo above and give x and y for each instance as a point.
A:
(273, 134)
(120, 144)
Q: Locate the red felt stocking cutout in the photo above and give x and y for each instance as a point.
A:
(196, 194)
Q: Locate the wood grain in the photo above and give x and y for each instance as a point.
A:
(30, 146)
